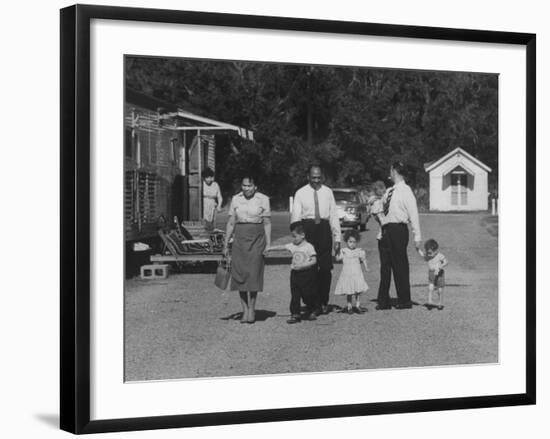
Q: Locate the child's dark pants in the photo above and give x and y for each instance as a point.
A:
(303, 287)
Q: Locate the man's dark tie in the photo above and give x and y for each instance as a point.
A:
(316, 201)
(387, 203)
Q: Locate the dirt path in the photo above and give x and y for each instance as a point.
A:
(183, 326)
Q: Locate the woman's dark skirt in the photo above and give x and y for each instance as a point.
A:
(247, 260)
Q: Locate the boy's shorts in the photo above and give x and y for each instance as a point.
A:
(439, 280)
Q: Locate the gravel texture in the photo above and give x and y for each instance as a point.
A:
(185, 327)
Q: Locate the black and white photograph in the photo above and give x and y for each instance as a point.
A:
(288, 218)
(275, 219)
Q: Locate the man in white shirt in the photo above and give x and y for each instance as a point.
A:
(315, 206)
(400, 209)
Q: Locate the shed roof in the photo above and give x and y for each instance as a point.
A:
(434, 164)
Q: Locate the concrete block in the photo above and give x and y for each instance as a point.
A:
(154, 271)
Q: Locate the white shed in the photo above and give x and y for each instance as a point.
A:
(458, 181)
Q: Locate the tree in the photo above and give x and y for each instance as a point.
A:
(354, 121)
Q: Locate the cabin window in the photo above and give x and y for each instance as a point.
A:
(128, 143)
(143, 148)
(174, 150)
(153, 151)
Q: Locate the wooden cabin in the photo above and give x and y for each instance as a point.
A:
(166, 149)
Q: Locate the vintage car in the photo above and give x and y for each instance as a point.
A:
(353, 211)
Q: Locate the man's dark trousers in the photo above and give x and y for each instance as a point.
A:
(393, 258)
(320, 236)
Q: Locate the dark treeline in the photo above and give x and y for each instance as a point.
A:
(354, 121)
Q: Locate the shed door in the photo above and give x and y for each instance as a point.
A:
(199, 157)
(196, 163)
(459, 189)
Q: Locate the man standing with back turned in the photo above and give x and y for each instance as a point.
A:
(400, 209)
(315, 206)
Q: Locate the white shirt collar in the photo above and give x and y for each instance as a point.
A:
(241, 194)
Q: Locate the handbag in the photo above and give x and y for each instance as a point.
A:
(223, 273)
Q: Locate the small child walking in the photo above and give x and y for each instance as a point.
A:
(436, 273)
(352, 282)
(303, 273)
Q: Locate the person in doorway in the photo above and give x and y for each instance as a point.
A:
(212, 199)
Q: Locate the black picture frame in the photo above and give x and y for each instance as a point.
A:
(75, 217)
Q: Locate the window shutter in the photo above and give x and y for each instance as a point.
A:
(147, 191)
(129, 200)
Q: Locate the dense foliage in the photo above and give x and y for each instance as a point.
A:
(354, 121)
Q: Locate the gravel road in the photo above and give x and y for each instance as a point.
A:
(184, 327)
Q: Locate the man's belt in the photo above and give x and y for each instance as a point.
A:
(394, 224)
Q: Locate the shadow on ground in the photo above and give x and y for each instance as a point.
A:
(184, 327)
(394, 302)
(261, 315)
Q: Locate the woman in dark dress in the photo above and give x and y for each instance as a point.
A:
(250, 226)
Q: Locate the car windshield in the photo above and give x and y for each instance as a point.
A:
(346, 197)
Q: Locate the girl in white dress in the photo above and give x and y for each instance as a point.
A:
(352, 282)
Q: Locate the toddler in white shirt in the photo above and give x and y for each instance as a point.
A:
(436, 273)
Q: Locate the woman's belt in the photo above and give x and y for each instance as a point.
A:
(211, 197)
